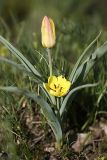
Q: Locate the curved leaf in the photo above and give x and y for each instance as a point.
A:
(19, 66)
(81, 57)
(19, 55)
(46, 108)
(89, 63)
(63, 106)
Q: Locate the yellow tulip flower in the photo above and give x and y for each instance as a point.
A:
(48, 32)
(57, 86)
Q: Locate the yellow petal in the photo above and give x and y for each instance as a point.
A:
(53, 93)
(61, 80)
(66, 88)
(67, 85)
(52, 81)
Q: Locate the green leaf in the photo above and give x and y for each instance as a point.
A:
(19, 66)
(71, 95)
(50, 98)
(21, 58)
(87, 65)
(82, 57)
(46, 108)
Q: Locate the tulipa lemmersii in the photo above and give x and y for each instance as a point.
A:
(54, 91)
(57, 86)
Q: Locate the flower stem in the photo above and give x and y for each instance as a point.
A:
(58, 105)
(50, 61)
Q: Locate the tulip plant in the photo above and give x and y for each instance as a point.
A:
(57, 90)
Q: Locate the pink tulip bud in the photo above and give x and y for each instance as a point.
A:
(48, 32)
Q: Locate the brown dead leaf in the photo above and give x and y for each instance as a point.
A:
(82, 140)
(96, 132)
(103, 126)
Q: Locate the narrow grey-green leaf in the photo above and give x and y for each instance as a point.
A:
(81, 57)
(46, 108)
(89, 63)
(63, 106)
(19, 66)
(46, 93)
(19, 55)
